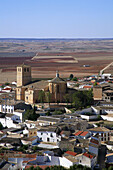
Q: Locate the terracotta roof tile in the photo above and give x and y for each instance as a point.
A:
(71, 153)
(84, 133)
(87, 87)
(88, 155)
(78, 133)
(94, 141)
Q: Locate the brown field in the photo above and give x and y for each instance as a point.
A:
(47, 56)
(46, 67)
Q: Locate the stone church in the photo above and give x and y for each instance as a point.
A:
(29, 92)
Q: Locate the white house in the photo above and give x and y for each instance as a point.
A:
(9, 120)
(104, 133)
(86, 159)
(102, 109)
(9, 108)
(47, 136)
(29, 140)
(19, 113)
(104, 76)
(4, 108)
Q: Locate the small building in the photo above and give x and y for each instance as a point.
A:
(94, 145)
(87, 159)
(104, 133)
(29, 140)
(48, 136)
(82, 134)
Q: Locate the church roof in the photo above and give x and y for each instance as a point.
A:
(56, 80)
(37, 85)
(23, 65)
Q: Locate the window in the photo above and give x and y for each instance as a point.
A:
(27, 98)
(11, 110)
(27, 69)
(19, 69)
(51, 135)
(41, 133)
(24, 69)
(47, 139)
(41, 139)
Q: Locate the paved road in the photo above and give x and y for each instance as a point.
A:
(101, 156)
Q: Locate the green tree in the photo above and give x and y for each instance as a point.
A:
(31, 114)
(48, 97)
(75, 79)
(77, 85)
(47, 168)
(48, 113)
(82, 99)
(95, 84)
(57, 112)
(67, 98)
(110, 168)
(77, 101)
(41, 96)
(71, 76)
(6, 83)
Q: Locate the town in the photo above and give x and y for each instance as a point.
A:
(59, 123)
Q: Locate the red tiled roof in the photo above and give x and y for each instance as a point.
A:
(71, 153)
(31, 156)
(32, 160)
(94, 141)
(84, 133)
(25, 161)
(7, 89)
(78, 133)
(88, 155)
(87, 87)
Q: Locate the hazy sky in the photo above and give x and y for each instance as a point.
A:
(56, 18)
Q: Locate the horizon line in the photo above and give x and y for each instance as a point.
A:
(56, 38)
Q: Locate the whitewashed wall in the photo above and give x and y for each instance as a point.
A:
(51, 135)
